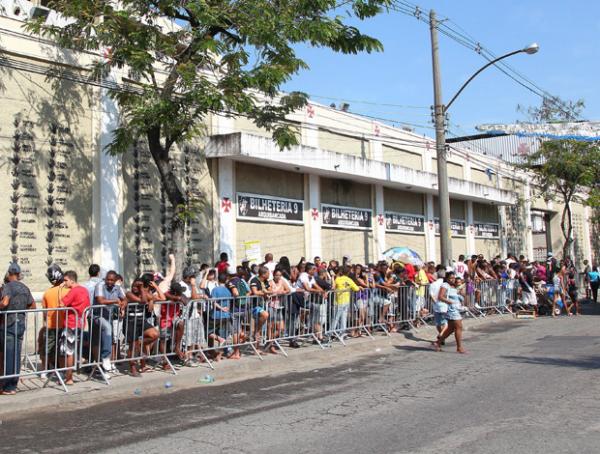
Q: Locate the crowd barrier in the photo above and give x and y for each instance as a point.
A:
(33, 343)
(204, 330)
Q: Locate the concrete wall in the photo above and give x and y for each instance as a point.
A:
(147, 211)
(489, 248)
(454, 170)
(357, 243)
(343, 143)
(267, 181)
(345, 193)
(48, 146)
(279, 239)
(404, 201)
(415, 242)
(401, 157)
(485, 213)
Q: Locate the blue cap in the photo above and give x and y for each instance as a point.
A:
(14, 268)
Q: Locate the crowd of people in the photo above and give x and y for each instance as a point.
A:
(214, 310)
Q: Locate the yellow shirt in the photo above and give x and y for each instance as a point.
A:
(50, 300)
(421, 280)
(343, 285)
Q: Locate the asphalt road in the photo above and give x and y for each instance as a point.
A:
(524, 387)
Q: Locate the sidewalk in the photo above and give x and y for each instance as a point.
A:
(32, 397)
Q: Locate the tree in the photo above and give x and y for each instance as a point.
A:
(193, 58)
(567, 168)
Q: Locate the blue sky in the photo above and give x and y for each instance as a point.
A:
(567, 64)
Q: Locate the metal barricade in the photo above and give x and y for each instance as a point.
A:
(34, 343)
(307, 316)
(230, 324)
(131, 334)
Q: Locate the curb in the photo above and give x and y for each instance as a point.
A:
(90, 393)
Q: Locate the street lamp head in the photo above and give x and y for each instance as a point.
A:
(532, 48)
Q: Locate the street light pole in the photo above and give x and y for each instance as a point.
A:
(440, 111)
(440, 147)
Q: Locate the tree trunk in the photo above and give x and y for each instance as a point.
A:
(566, 226)
(175, 196)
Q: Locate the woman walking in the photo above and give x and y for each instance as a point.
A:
(449, 295)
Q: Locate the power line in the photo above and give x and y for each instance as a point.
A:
(466, 40)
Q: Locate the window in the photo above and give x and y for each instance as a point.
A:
(538, 223)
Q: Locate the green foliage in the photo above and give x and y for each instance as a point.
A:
(188, 59)
(565, 166)
(227, 56)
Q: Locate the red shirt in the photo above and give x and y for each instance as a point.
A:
(410, 271)
(78, 298)
(222, 267)
(168, 312)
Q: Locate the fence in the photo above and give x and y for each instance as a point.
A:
(204, 330)
(34, 344)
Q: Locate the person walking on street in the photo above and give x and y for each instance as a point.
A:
(449, 295)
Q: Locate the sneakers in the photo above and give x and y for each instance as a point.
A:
(106, 365)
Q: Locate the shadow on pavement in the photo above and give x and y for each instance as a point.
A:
(413, 348)
(588, 363)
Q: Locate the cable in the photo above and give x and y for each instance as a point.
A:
(466, 40)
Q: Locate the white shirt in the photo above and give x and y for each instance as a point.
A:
(271, 267)
(460, 269)
(305, 278)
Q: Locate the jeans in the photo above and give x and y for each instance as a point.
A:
(105, 328)
(11, 340)
(340, 319)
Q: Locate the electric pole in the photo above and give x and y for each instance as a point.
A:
(440, 146)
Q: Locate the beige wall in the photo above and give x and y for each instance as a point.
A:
(48, 125)
(338, 242)
(345, 193)
(454, 170)
(479, 176)
(243, 124)
(401, 157)
(415, 242)
(485, 213)
(145, 242)
(457, 208)
(343, 144)
(403, 201)
(489, 248)
(279, 239)
(268, 181)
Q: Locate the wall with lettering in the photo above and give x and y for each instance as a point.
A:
(46, 152)
(147, 226)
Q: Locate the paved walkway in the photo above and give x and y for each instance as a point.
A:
(526, 386)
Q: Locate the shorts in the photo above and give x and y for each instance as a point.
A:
(67, 343)
(256, 311)
(318, 313)
(453, 312)
(440, 319)
(222, 328)
(194, 332)
(276, 314)
(48, 341)
(117, 327)
(136, 326)
(418, 304)
(167, 332)
(359, 304)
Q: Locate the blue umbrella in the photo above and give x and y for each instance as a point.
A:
(404, 255)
